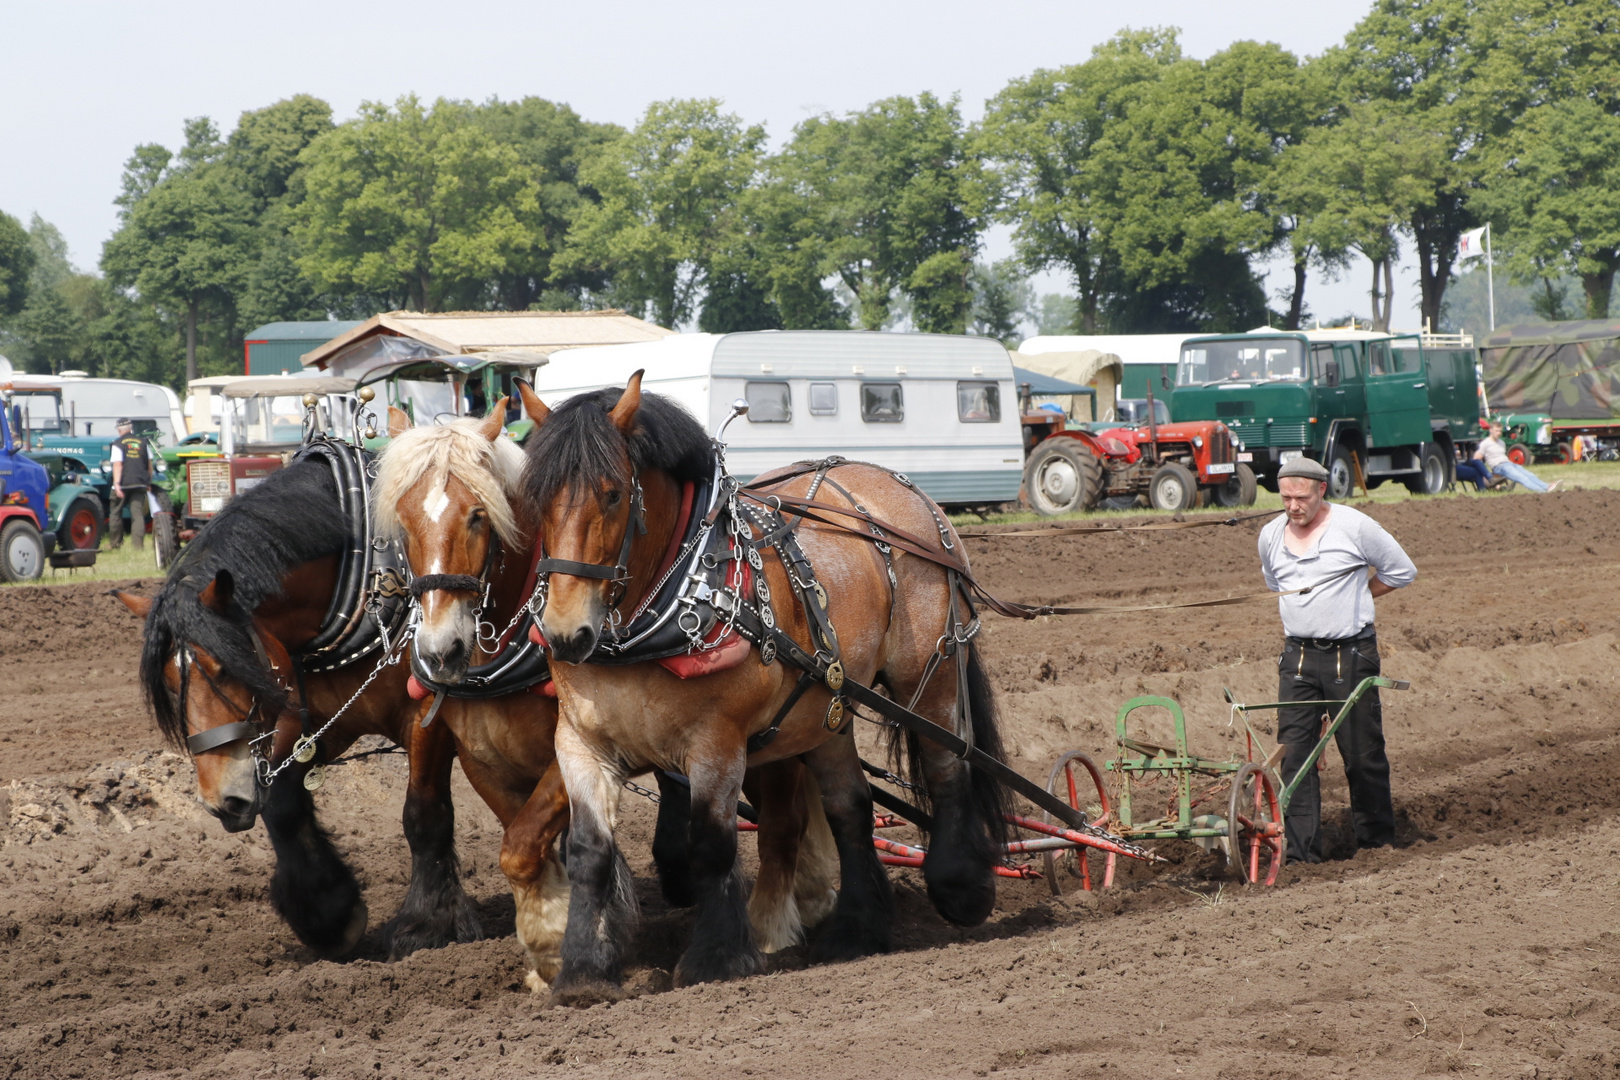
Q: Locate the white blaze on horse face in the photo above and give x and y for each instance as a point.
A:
(436, 504)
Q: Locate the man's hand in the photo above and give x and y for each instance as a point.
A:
(118, 491)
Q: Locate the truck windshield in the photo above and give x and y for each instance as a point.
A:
(1266, 360)
(41, 412)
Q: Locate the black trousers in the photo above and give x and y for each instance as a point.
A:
(1308, 673)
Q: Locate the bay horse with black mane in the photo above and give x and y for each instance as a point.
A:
(252, 589)
(606, 478)
(448, 492)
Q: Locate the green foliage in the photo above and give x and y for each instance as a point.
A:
(1057, 314)
(888, 199)
(1003, 300)
(16, 264)
(671, 194)
(417, 204)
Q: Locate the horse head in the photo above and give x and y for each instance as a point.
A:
(444, 491)
(217, 716)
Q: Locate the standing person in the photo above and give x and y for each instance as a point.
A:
(1330, 646)
(132, 473)
(1494, 454)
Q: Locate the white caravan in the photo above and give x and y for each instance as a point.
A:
(941, 409)
(93, 407)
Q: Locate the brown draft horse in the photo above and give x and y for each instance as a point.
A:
(586, 462)
(446, 491)
(255, 584)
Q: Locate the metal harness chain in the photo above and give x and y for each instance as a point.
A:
(645, 793)
(304, 748)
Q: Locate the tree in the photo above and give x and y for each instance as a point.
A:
(183, 230)
(554, 143)
(888, 199)
(1558, 191)
(671, 193)
(420, 206)
(16, 264)
(1002, 300)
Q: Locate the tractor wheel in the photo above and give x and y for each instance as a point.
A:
(1518, 455)
(1564, 453)
(82, 526)
(1432, 480)
(1173, 487)
(1062, 477)
(22, 551)
(165, 533)
(1240, 490)
(1341, 475)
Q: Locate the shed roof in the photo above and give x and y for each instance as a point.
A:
(519, 334)
(319, 330)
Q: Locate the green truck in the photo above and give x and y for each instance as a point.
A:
(1397, 406)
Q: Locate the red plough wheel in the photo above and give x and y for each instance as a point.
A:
(1074, 779)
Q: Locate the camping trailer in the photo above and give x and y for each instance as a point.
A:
(939, 408)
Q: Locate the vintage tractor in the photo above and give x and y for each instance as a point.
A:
(1173, 466)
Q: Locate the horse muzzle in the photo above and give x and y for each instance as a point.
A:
(572, 648)
(236, 814)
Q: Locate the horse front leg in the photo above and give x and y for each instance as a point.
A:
(436, 909)
(722, 941)
(602, 906)
(862, 921)
(539, 882)
(669, 840)
(313, 889)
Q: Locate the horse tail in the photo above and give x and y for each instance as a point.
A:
(991, 801)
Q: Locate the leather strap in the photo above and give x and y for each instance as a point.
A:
(580, 569)
(224, 735)
(452, 582)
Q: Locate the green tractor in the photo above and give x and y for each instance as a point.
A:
(443, 389)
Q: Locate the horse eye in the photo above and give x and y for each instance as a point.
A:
(614, 497)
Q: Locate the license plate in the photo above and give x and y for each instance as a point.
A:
(1245, 457)
(1228, 467)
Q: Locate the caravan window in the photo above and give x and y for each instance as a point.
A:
(882, 403)
(769, 402)
(823, 399)
(978, 403)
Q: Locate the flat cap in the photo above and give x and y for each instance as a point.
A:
(1303, 466)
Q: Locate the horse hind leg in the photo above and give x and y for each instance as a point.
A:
(436, 909)
(313, 889)
(815, 885)
(669, 851)
(777, 792)
(968, 827)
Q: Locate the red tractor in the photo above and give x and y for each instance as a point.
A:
(1176, 466)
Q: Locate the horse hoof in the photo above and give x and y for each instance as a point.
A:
(718, 967)
(535, 983)
(583, 993)
(356, 928)
(844, 941)
(966, 903)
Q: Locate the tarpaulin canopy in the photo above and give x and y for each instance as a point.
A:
(1570, 370)
(1046, 384)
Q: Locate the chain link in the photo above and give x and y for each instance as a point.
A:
(645, 793)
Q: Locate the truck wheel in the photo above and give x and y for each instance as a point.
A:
(22, 551)
(165, 533)
(1341, 475)
(1240, 490)
(1062, 477)
(82, 526)
(1173, 487)
(1432, 480)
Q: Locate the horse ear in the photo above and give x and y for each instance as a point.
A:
(495, 423)
(217, 594)
(532, 405)
(399, 422)
(624, 413)
(139, 605)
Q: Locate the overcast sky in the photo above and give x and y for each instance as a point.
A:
(84, 83)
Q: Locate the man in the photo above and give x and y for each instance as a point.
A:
(1330, 646)
(1494, 455)
(132, 472)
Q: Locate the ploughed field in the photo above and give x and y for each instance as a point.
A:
(136, 937)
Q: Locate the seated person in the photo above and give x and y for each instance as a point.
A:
(1475, 470)
(1494, 455)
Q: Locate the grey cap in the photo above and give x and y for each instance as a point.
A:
(1303, 466)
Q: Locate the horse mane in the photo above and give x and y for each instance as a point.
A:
(578, 443)
(291, 518)
(491, 469)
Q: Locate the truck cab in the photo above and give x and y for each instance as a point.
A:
(24, 488)
(1358, 401)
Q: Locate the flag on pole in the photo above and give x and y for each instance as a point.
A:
(1471, 245)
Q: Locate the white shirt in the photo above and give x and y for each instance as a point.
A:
(1339, 605)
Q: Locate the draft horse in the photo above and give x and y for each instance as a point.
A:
(244, 597)
(605, 480)
(445, 491)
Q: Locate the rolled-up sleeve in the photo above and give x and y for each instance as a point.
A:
(1266, 569)
(1395, 568)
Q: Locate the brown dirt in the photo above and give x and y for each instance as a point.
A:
(136, 939)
